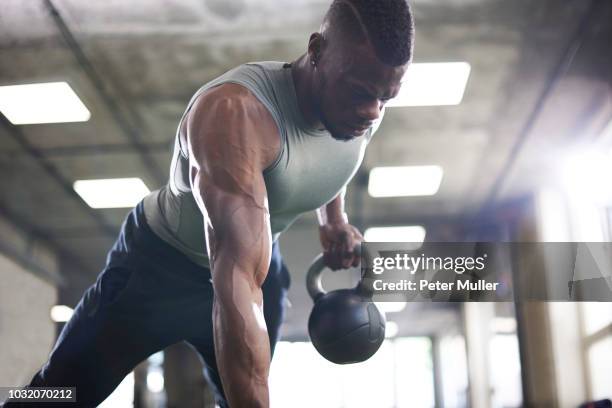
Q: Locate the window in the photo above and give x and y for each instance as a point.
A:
(399, 375)
(597, 330)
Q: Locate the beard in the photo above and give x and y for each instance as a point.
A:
(320, 111)
(335, 133)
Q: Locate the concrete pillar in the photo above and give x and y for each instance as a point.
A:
(477, 323)
(533, 320)
(437, 371)
(537, 357)
(183, 379)
(140, 385)
(567, 348)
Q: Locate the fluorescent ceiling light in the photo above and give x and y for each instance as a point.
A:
(431, 84)
(111, 193)
(404, 181)
(413, 233)
(61, 313)
(51, 102)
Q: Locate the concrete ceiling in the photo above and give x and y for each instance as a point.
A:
(540, 77)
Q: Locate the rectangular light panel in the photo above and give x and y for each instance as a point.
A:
(405, 181)
(51, 102)
(111, 193)
(411, 234)
(433, 84)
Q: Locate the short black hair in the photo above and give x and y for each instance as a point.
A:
(387, 24)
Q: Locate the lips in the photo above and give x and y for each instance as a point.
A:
(358, 127)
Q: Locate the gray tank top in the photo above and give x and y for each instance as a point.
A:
(310, 170)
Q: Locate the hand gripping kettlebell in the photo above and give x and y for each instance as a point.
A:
(344, 325)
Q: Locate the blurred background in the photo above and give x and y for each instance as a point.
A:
(503, 132)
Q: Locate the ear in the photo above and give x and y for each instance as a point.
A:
(315, 46)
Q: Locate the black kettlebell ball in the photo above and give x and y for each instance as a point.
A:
(345, 327)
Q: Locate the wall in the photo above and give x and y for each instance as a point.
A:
(28, 272)
(26, 330)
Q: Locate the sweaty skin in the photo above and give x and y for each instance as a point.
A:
(338, 237)
(232, 138)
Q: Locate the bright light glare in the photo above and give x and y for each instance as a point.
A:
(413, 233)
(111, 193)
(155, 381)
(123, 396)
(390, 307)
(397, 383)
(587, 175)
(431, 84)
(405, 181)
(391, 329)
(553, 217)
(51, 102)
(61, 313)
(503, 325)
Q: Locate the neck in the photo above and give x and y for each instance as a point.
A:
(303, 80)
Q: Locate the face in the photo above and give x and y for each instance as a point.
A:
(352, 88)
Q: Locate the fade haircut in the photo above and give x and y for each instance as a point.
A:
(387, 25)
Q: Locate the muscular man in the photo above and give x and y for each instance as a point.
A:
(198, 260)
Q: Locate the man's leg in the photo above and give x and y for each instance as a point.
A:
(274, 291)
(103, 341)
(135, 308)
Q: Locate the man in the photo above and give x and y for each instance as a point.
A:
(198, 260)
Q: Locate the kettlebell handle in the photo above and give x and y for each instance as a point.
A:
(315, 272)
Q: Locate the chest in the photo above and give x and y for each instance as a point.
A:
(312, 172)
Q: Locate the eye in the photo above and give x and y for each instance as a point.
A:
(359, 94)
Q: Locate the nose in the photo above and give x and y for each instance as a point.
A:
(370, 111)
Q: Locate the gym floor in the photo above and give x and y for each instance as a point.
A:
(522, 150)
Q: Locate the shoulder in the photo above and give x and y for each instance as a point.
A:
(229, 121)
(226, 99)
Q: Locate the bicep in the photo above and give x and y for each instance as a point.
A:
(224, 147)
(227, 182)
(237, 231)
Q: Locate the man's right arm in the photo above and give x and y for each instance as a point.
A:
(227, 158)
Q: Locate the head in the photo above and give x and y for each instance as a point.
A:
(358, 60)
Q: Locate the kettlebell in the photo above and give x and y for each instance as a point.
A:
(345, 326)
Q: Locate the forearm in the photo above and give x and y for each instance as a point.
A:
(227, 132)
(333, 212)
(240, 334)
(338, 237)
(240, 246)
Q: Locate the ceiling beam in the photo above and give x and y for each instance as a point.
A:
(98, 149)
(52, 171)
(37, 233)
(131, 133)
(559, 70)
